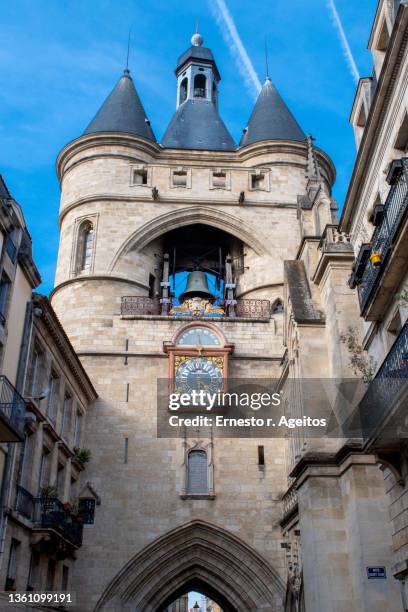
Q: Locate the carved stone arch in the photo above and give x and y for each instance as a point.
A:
(198, 555)
(190, 216)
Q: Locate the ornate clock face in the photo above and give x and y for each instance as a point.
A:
(199, 374)
(199, 335)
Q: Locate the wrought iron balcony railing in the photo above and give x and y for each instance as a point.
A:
(389, 384)
(12, 411)
(50, 513)
(386, 233)
(247, 309)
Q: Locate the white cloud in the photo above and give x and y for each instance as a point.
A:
(231, 36)
(343, 39)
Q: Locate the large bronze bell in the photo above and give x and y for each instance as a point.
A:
(197, 286)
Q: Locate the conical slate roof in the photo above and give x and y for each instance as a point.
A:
(196, 124)
(122, 111)
(271, 119)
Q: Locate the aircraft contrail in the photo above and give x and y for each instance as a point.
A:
(230, 34)
(344, 42)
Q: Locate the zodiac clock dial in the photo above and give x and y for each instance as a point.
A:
(199, 374)
(199, 335)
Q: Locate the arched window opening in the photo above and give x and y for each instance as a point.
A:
(183, 91)
(277, 307)
(200, 86)
(197, 477)
(85, 246)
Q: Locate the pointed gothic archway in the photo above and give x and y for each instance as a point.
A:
(192, 215)
(196, 556)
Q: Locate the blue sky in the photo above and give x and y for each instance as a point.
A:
(59, 59)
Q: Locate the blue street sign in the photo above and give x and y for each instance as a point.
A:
(376, 572)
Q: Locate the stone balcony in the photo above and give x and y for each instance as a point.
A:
(55, 529)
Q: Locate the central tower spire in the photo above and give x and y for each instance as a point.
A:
(196, 123)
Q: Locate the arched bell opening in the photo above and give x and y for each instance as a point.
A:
(162, 256)
(198, 261)
(204, 264)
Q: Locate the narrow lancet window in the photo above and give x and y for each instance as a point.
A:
(183, 91)
(85, 246)
(197, 478)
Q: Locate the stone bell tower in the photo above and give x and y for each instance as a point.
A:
(171, 261)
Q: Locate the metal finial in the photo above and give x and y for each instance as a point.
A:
(128, 51)
(266, 58)
(196, 25)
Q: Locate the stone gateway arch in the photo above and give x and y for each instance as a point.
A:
(195, 556)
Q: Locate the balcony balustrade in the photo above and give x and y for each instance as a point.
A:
(12, 412)
(245, 308)
(49, 513)
(385, 234)
(389, 386)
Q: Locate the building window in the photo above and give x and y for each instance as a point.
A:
(52, 565)
(383, 38)
(200, 86)
(183, 91)
(10, 247)
(258, 181)
(36, 373)
(5, 286)
(12, 565)
(152, 284)
(53, 392)
(60, 480)
(27, 462)
(179, 178)
(74, 487)
(401, 141)
(219, 180)
(85, 246)
(277, 307)
(65, 578)
(44, 475)
(197, 477)
(140, 176)
(34, 571)
(87, 510)
(77, 430)
(66, 415)
(261, 457)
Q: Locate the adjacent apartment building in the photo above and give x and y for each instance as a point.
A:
(44, 393)
(375, 215)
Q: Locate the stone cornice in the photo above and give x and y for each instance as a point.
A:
(328, 464)
(378, 111)
(161, 355)
(57, 333)
(165, 200)
(334, 258)
(179, 156)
